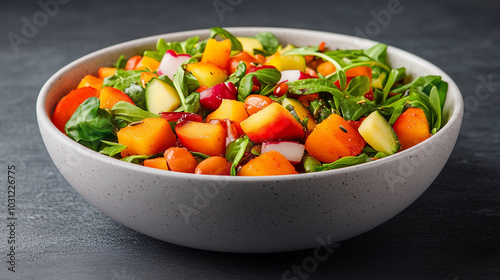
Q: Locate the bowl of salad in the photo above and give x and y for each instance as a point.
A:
(250, 139)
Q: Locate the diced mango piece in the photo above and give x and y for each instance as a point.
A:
(152, 136)
(206, 138)
(230, 109)
(207, 74)
(270, 163)
(217, 53)
(274, 122)
(91, 81)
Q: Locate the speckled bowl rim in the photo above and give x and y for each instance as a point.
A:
(454, 103)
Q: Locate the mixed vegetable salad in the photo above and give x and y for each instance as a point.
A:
(250, 106)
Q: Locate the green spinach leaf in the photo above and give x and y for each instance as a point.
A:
(90, 124)
(269, 42)
(358, 86)
(137, 94)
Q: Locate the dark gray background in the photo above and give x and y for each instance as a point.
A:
(450, 232)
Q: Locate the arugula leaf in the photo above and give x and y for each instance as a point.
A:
(123, 79)
(224, 34)
(130, 113)
(344, 162)
(112, 148)
(310, 51)
(394, 76)
(90, 124)
(378, 53)
(423, 84)
(137, 94)
(121, 62)
(436, 108)
(310, 86)
(358, 86)
(269, 42)
(320, 110)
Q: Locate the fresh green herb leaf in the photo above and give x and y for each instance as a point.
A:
(436, 108)
(354, 110)
(269, 42)
(197, 154)
(130, 113)
(224, 34)
(137, 94)
(236, 150)
(245, 88)
(123, 79)
(237, 75)
(358, 86)
(378, 53)
(193, 103)
(112, 148)
(138, 159)
(120, 63)
(310, 86)
(320, 109)
(395, 76)
(344, 162)
(90, 124)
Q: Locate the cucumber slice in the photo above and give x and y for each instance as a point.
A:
(379, 134)
(161, 97)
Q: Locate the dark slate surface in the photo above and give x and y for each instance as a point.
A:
(450, 232)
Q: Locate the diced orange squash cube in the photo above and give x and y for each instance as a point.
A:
(91, 81)
(206, 138)
(159, 163)
(67, 106)
(217, 53)
(152, 136)
(334, 138)
(270, 163)
(274, 122)
(109, 96)
(411, 127)
(230, 109)
(104, 72)
(148, 63)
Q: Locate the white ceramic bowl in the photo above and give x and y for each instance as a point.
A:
(244, 214)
